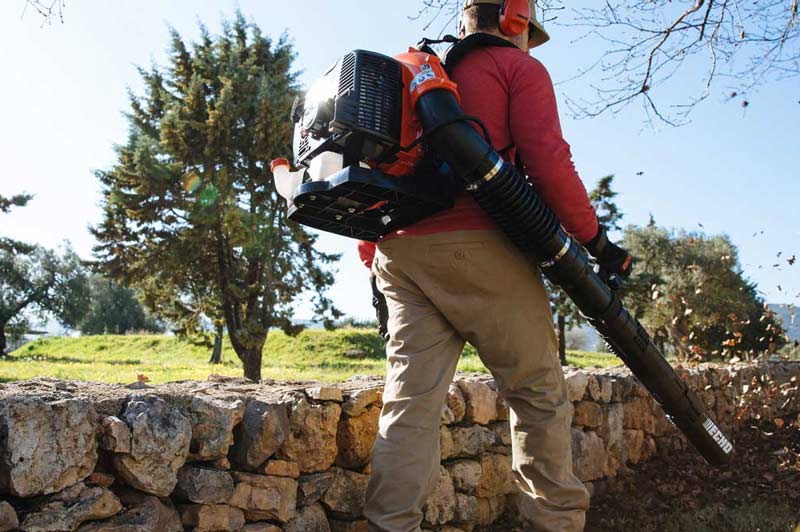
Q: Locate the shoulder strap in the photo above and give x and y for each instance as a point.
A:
(471, 42)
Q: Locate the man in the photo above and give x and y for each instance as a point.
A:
(453, 277)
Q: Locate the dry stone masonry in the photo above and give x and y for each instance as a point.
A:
(226, 455)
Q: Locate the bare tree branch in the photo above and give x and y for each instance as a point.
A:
(643, 44)
(49, 10)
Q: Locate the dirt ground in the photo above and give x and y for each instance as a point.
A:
(758, 492)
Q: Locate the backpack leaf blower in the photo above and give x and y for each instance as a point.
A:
(359, 138)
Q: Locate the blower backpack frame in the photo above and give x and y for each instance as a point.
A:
(372, 115)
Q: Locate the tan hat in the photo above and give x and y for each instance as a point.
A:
(538, 35)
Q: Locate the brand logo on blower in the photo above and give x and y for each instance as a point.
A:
(426, 73)
(717, 435)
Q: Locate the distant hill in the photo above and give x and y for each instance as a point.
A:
(790, 318)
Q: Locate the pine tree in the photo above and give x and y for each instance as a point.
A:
(191, 217)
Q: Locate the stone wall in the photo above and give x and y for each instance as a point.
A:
(227, 455)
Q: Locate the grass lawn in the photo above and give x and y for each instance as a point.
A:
(312, 355)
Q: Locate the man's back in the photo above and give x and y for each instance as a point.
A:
(511, 93)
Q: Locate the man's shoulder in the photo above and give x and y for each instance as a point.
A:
(517, 59)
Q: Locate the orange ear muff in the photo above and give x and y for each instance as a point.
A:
(515, 15)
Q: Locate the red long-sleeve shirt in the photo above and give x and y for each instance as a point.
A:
(512, 94)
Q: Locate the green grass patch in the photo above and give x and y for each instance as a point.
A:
(311, 355)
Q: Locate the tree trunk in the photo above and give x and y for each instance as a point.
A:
(216, 354)
(251, 362)
(562, 339)
(3, 343)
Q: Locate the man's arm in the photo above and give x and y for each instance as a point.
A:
(536, 133)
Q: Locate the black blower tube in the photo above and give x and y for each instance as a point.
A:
(533, 227)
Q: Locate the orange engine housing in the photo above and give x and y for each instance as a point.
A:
(421, 73)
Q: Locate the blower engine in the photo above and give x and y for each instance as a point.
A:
(359, 135)
(354, 138)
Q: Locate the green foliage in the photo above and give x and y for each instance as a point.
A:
(35, 281)
(602, 198)
(191, 216)
(313, 354)
(689, 290)
(114, 309)
(6, 204)
(19, 200)
(41, 283)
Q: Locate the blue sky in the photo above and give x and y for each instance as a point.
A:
(64, 90)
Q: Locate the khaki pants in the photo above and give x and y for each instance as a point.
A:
(442, 290)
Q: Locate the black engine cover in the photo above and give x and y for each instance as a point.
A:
(368, 204)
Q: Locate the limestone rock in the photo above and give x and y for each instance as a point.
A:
(638, 415)
(357, 401)
(160, 436)
(325, 393)
(204, 486)
(281, 468)
(502, 433)
(313, 487)
(456, 403)
(8, 517)
(661, 423)
(440, 506)
(212, 422)
(445, 443)
(222, 463)
(489, 510)
(472, 440)
(588, 455)
(312, 427)
(309, 519)
(151, 515)
(346, 494)
(503, 410)
(649, 448)
(67, 509)
(496, 476)
(620, 388)
(260, 527)
(103, 480)
(587, 414)
(612, 426)
(116, 435)
(603, 390)
(447, 417)
(466, 474)
(466, 510)
(481, 401)
(577, 381)
(45, 445)
(633, 443)
(260, 434)
(263, 497)
(592, 387)
(355, 436)
(212, 518)
(359, 525)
